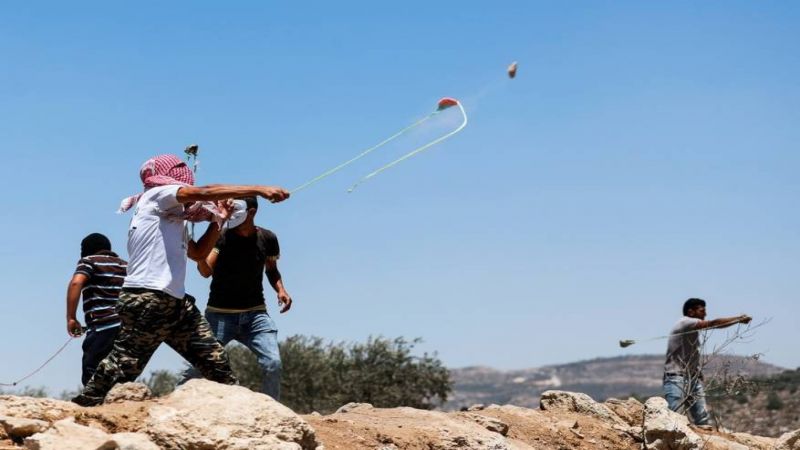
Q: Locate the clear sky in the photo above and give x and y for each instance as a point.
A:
(645, 153)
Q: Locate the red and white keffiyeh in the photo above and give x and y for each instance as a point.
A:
(164, 170)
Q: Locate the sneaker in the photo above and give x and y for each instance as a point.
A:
(705, 427)
(87, 400)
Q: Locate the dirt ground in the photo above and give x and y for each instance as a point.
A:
(406, 429)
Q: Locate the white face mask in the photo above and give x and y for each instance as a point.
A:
(239, 214)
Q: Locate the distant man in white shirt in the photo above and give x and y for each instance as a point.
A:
(683, 378)
(153, 305)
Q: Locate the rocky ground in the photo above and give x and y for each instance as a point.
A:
(202, 415)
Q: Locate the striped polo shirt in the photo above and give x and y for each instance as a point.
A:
(106, 272)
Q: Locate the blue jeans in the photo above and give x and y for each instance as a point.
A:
(681, 397)
(257, 331)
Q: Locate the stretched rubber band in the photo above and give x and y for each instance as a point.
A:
(415, 151)
(363, 154)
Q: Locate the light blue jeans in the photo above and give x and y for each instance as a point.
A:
(681, 397)
(257, 331)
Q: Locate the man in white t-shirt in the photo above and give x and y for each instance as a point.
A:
(683, 377)
(153, 305)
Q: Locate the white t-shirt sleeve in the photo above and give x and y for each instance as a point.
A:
(167, 197)
(687, 324)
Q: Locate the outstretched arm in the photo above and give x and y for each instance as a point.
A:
(723, 322)
(275, 280)
(225, 191)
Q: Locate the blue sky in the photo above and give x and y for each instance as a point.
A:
(646, 153)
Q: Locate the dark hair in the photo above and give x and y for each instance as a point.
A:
(252, 202)
(93, 244)
(692, 303)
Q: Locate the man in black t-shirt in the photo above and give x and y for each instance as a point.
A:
(236, 307)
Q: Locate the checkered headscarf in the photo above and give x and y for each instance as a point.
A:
(164, 170)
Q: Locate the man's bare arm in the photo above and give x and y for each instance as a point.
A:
(199, 250)
(723, 322)
(73, 296)
(276, 281)
(206, 266)
(187, 194)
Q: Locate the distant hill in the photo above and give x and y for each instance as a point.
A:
(600, 378)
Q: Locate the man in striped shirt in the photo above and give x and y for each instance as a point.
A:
(99, 277)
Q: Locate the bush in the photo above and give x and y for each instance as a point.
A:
(774, 402)
(245, 366)
(321, 377)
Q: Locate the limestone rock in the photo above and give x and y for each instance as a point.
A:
(667, 430)
(631, 410)
(18, 428)
(579, 403)
(753, 442)
(490, 423)
(128, 392)
(45, 409)
(130, 441)
(351, 406)
(205, 414)
(789, 441)
(66, 434)
(719, 443)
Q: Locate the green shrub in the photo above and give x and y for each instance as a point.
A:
(321, 377)
(774, 402)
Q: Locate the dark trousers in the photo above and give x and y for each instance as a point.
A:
(96, 346)
(148, 319)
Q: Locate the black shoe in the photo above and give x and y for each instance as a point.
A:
(87, 400)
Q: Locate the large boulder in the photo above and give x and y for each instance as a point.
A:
(203, 414)
(578, 403)
(667, 430)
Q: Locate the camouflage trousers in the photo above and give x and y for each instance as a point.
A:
(149, 318)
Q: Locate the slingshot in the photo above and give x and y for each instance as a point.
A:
(442, 105)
